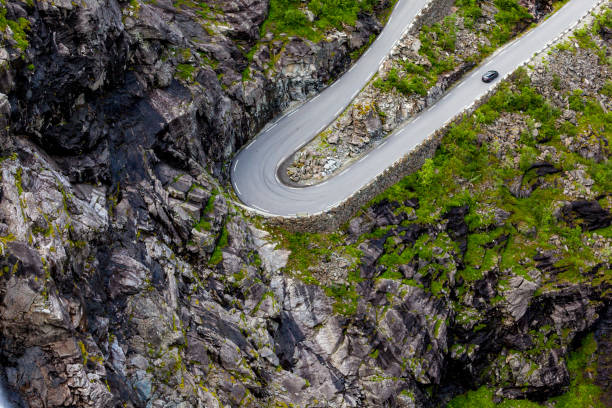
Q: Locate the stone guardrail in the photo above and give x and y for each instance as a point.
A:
(334, 217)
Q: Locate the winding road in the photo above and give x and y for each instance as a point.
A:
(254, 170)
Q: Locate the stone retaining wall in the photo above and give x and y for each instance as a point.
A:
(332, 219)
(434, 12)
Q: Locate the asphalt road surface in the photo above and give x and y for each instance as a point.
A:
(254, 170)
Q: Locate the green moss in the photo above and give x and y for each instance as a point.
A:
(185, 72)
(391, 274)
(308, 249)
(582, 366)
(203, 224)
(210, 204)
(200, 7)
(346, 298)
(222, 242)
(20, 29)
(18, 181)
(289, 16)
(246, 74)
(84, 353)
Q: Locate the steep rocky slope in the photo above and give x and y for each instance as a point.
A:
(90, 81)
(128, 277)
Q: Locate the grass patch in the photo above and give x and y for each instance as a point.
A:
(19, 27)
(438, 45)
(290, 16)
(222, 242)
(185, 72)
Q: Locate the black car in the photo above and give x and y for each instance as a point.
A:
(490, 76)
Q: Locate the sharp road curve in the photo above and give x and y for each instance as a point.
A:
(254, 170)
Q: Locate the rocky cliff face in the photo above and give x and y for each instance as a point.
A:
(101, 77)
(128, 277)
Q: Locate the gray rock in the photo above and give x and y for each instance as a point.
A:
(128, 275)
(519, 295)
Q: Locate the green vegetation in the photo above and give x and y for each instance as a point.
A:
(438, 45)
(200, 7)
(185, 72)
(203, 224)
(418, 83)
(462, 157)
(346, 298)
(222, 242)
(308, 250)
(582, 393)
(510, 15)
(582, 366)
(18, 180)
(210, 204)
(467, 171)
(20, 28)
(607, 89)
(289, 16)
